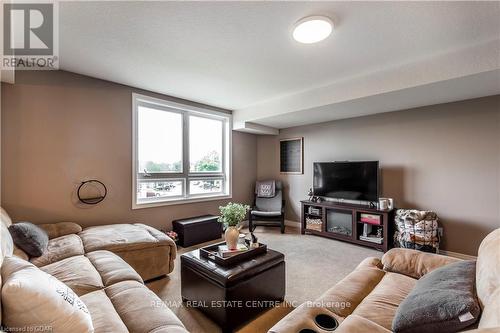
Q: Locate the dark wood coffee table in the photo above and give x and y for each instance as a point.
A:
(233, 295)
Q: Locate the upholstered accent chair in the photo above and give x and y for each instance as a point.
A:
(268, 211)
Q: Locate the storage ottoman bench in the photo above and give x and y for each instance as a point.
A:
(196, 230)
(236, 294)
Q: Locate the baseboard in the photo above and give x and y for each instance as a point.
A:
(293, 224)
(457, 255)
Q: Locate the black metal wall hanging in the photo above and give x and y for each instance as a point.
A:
(91, 192)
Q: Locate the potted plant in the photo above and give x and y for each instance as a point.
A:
(231, 215)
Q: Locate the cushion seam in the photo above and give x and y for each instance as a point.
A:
(165, 326)
(101, 275)
(124, 323)
(90, 262)
(51, 255)
(130, 250)
(114, 308)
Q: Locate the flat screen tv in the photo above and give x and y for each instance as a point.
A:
(347, 180)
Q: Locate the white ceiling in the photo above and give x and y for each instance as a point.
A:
(240, 55)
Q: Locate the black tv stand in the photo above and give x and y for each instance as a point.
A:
(342, 221)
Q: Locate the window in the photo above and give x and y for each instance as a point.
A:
(181, 153)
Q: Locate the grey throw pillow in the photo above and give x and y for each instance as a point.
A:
(28, 237)
(444, 300)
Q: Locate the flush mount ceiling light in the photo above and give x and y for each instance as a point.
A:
(312, 29)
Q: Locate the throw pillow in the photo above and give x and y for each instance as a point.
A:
(28, 237)
(33, 299)
(443, 300)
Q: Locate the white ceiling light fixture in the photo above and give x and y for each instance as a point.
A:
(312, 29)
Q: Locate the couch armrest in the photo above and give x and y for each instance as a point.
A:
(371, 262)
(413, 263)
(162, 237)
(59, 229)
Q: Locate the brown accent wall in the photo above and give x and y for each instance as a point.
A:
(443, 157)
(59, 128)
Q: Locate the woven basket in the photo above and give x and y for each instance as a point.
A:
(314, 224)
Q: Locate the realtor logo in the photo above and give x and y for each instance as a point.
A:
(29, 36)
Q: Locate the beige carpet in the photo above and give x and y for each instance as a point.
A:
(313, 265)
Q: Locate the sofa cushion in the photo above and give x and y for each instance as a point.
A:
(76, 272)
(32, 298)
(30, 238)
(60, 248)
(381, 304)
(490, 317)
(150, 252)
(149, 262)
(20, 253)
(442, 301)
(105, 319)
(414, 263)
(346, 295)
(6, 244)
(112, 268)
(141, 310)
(116, 237)
(5, 218)
(488, 267)
(59, 229)
(357, 324)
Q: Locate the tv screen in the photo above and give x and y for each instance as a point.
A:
(347, 180)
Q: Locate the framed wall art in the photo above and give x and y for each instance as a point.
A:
(292, 156)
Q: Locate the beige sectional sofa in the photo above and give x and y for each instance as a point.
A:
(113, 292)
(367, 299)
(150, 252)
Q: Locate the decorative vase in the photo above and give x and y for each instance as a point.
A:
(231, 235)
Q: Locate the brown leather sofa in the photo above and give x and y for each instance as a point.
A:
(114, 293)
(367, 299)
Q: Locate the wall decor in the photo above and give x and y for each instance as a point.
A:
(91, 192)
(292, 156)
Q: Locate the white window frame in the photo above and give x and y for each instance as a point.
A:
(226, 160)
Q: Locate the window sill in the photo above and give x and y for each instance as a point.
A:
(181, 201)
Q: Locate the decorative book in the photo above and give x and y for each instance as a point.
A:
(211, 252)
(225, 252)
(370, 218)
(372, 239)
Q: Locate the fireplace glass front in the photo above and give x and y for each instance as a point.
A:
(339, 222)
